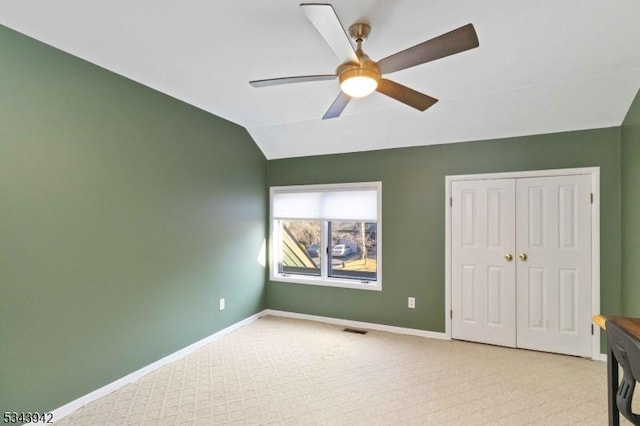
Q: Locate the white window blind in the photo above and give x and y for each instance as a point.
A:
(356, 204)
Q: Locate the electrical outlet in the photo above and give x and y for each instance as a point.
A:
(411, 303)
(222, 304)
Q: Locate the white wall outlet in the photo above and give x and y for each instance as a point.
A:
(411, 302)
(222, 304)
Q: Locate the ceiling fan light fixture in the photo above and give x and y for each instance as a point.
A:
(359, 82)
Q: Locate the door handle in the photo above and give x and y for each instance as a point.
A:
(509, 257)
(523, 256)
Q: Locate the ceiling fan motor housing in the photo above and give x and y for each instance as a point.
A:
(366, 68)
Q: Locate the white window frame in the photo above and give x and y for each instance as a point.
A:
(324, 279)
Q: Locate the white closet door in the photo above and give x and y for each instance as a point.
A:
(553, 217)
(483, 279)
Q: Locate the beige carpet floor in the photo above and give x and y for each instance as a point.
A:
(279, 371)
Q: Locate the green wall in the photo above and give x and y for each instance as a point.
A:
(124, 216)
(631, 210)
(413, 191)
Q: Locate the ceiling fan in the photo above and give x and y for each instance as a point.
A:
(358, 75)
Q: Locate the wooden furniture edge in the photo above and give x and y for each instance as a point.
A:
(630, 325)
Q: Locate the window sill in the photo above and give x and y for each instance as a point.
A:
(334, 282)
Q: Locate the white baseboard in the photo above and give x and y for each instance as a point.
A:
(78, 403)
(72, 406)
(373, 326)
(360, 324)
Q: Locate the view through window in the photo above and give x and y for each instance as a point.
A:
(353, 250)
(300, 247)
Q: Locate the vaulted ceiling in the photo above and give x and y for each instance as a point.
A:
(542, 66)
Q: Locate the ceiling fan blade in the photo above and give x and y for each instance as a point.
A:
(288, 80)
(337, 106)
(456, 41)
(405, 95)
(326, 21)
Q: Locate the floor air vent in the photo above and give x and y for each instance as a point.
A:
(353, 330)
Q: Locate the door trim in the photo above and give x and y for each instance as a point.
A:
(594, 172)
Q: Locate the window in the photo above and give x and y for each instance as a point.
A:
(327, 235)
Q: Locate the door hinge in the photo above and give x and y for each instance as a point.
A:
(592, 329)
(450, 201)
(451, 314)
(592, 198)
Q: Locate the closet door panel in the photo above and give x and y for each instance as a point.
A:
(483, 280)
(553, 273)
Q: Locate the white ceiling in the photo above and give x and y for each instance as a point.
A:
(542, 66)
